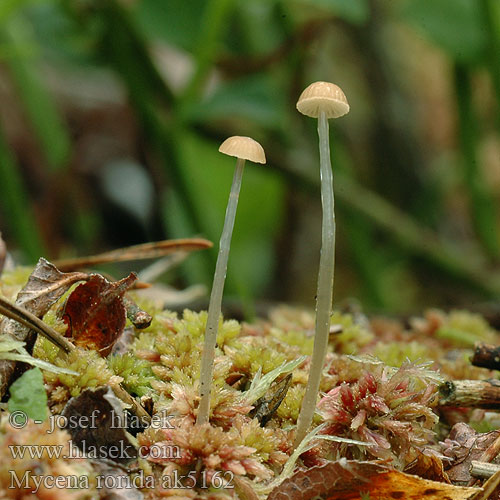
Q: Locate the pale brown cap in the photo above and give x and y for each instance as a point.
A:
(244, 148)
(323, 96)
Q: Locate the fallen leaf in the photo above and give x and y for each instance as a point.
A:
(428, 466)
(244, 489)
(353, 480)
(97, 424)
(464, 445)
(45, 286)
(95, 312)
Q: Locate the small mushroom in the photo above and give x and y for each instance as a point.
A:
(243, 148)
(321, 100)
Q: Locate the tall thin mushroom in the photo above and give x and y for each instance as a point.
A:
(243, 148)
(321, 100)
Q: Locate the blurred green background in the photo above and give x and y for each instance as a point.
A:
(112, 112)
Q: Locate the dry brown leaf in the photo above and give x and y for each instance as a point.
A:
(244, 489)
(464, 445)
(104, 434)
(428, 467)
(45, 286)
(95, 312)
(353, 480)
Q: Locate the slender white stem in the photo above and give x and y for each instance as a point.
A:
(214, 307)
(325, 284)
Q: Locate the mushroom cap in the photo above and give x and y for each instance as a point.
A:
(243, 147)
(323, 96)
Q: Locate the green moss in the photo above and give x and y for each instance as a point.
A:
(290, 407)
(296, 338)
(263, 440)
(136, 373)
(251, 354)
(353, 336)
(93, 370)
(194, 324)
(396, 353)
(464, 328)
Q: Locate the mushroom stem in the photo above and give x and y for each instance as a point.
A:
(325, 283)
(214, 307)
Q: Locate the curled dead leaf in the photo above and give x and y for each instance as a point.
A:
(464, 445)
(428, 466)
(97, 423)
(96, 314)
(354, 480)
(45, 286)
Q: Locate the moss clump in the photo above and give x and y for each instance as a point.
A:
(457, 328)
(289, 409)
(93, 371)
(136, 374)
(389, 410)
(396, 353)
(464, 328)
(353, 336)
(251, 354)
(175, 346)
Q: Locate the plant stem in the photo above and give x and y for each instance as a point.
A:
(214, 307)
(325, 284)
(26, 318)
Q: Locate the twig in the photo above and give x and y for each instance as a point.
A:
(471, 394)
(139, 318)
(24, 317)
(487, 456)
(137, 408)
(483, 470)
(486, 356)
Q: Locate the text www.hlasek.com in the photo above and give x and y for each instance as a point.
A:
(91, 452)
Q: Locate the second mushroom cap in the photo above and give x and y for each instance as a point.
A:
(245, 148)
(323, 96)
